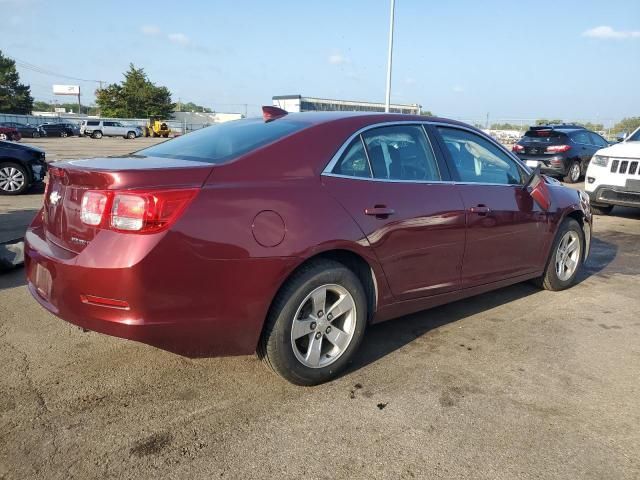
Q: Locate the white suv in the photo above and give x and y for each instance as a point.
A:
(108, 128)
(613, 176)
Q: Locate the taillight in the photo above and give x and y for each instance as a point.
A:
(558, 148)
(93, 206)
(517, 148)
(135, 211)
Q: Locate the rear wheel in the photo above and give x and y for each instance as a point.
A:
(131, 135)
(574, 173)
(97, 134)
(63, 134)
(35, 135)
(565, 258)
(13, 178)
(601, 209)
(315, 324)
(3, 136)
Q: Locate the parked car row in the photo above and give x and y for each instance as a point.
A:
(109, 128)
(14, 131)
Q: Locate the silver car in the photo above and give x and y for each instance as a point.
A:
(109, 128)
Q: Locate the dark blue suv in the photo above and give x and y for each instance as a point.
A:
(561, 150)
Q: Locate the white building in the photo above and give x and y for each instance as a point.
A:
(298, 103)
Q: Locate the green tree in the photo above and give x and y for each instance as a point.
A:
(192, 107)
(426, 113)
(626, 125)
(15, 97)
(506, 126)
(135, 97)
(544, 121)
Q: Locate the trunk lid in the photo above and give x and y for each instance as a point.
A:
(69, 180)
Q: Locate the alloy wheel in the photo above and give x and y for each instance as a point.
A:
(567, 255)
(3, 136)
(11, 179)
(574, 174)
(323, 326)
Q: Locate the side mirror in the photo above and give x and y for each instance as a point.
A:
(621, 137)
(537, 188)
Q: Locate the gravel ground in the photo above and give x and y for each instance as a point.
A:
(518, 383)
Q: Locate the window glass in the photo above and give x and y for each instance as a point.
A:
(353, 161)
(401, 152)
(477, 160)
(598, 140)
(581, 136)
(225, 141)
(93, 123)
(108, 124)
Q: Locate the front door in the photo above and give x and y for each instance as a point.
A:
(506, 229)
(390, 182)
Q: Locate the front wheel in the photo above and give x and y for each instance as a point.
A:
(35, 135)
(574, 173)
(565, 258)
(97, 135)
(13, 179)
(131, 135)
(63, 134)
(315, 324)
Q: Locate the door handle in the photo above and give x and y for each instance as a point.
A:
(480, 210)
(379, 211)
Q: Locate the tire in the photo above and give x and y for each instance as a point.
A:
(131, 135)
(601, 209)
(63, 134)
(35, 135)
(555, 278)
(97, 135)
(574, 173)
(294, 310)
(3, 136)
(13, 178)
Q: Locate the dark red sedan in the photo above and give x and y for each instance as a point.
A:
(288, 235)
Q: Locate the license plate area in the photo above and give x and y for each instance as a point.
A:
(532, 163)
(633, 185)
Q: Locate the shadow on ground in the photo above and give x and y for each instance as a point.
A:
(14, 223)
(387, 337)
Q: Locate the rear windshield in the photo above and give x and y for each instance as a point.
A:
(543, 136)
(225, 141)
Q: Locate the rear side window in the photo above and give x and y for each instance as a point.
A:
(581, 136)
(401, 153)
(93, 123)
(479, 161)
(225, 141)
(353, 162)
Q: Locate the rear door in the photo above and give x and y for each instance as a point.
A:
(108, 129)
(585, 148)
(392, 184)
(506, 229)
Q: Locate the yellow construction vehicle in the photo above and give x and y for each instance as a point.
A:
(156, 128)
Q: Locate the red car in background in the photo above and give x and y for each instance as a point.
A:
(9, 133)
(289, 234)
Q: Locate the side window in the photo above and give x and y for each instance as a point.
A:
(108, 124)
(353, 162)
(479, 161)
(598, 140)
(581, 136)
(401, 152)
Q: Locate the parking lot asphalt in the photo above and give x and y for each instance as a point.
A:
(517, 383)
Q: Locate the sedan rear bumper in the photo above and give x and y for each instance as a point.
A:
(205, 308)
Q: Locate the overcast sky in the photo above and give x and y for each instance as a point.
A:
(563, 59)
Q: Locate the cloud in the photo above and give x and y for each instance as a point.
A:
(179, 39)
(337, 59)
(150, 30)
(607, 32)
(458, 89)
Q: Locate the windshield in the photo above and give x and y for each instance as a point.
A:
(225, 141)
(634, 137)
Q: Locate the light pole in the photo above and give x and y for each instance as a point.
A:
(390, 58)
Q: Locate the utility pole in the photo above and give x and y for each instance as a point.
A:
(387, 104)
(486, 125)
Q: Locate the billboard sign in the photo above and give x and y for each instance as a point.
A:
(66, 89)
